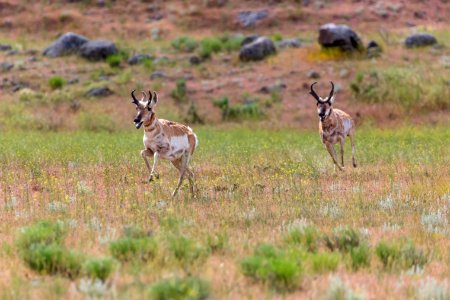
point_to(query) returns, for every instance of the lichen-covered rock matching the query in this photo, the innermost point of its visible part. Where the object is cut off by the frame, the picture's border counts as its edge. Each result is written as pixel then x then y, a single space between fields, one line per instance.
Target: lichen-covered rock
pixel 250 18
pixel 420 40
pixel 340 36
pixel 68 43
pixel 259 49
pixel 289 43
pixel 98 49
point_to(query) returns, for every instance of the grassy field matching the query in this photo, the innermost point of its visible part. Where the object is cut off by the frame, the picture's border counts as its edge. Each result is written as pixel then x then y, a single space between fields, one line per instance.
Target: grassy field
pixel 272 218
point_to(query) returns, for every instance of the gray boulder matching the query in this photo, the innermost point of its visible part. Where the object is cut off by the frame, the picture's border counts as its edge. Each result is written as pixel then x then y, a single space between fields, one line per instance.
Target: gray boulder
pixel 341 36
pixel 249 39
pixel 68 43
pixel 5 47
pixel 420 40
pixel 289 43
pixel 6 66
pixel 257 50
pixel 99 92
pixel 98 49
pixel 250 18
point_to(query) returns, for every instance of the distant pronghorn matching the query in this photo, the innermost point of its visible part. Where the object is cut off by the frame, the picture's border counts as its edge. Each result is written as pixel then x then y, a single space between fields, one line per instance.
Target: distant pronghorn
pixel 334 126
pixel 164 139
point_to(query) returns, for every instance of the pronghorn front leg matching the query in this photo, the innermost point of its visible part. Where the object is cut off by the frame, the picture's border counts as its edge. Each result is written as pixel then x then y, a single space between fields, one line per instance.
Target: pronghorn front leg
pixel 342 143
pixel 332 152
pixel 144 154
pixel 155 162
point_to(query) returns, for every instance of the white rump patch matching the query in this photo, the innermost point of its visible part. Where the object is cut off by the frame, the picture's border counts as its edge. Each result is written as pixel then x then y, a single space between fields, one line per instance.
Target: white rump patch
pixel 347 125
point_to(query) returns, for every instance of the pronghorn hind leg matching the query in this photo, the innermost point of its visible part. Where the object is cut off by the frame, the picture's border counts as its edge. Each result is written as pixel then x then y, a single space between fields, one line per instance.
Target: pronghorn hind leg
pixel 332 152
pixel 342 143
pixel 352 140
pixel 182 168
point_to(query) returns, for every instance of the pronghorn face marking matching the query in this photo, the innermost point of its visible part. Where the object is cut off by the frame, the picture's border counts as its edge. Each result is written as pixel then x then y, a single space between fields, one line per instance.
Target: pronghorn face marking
pixel 145 108
pixel 324 106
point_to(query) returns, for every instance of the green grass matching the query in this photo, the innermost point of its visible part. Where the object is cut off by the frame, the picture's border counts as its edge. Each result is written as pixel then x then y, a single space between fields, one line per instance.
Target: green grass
pixel 56 82
pixel 189 288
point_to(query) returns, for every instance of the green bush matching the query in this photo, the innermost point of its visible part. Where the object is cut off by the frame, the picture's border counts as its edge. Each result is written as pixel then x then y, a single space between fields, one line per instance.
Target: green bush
pixel 209 46
pixel 388 253
pixel 41 233
pixel 250 110
pixel 185 44
pixel 306 237
pixel 413 257
pixel 324 262
pixel 53 259
pixel 114 60
pixel 184 249
pixel 217 242
pixel 98 268
pixel 56 82
pixel 131 249
pixel 278 268
pixel 343 240
pixel 232 43
pixel 189 288
pixel 180 91
pixel 360 256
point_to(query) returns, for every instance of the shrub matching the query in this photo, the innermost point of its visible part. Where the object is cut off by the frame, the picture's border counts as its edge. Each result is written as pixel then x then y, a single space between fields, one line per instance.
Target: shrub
pixel 413 257
pixel 184 249
pixel 53 259
pixel 280 269
pixel 338 290
pixel 185 44
pixel 232 43
pixel 360 256
pixel 180 91
pixel 343 240
pixel 306 236
pixel 114 60
pixel 41 233
pixel 217 242
pixel 192 115
pixel 323 261
pixel 56 82
pixel 191 288
pixel 131 249
pixel 248 110
pixel 98 268
pixel 388 253
pixel 209 46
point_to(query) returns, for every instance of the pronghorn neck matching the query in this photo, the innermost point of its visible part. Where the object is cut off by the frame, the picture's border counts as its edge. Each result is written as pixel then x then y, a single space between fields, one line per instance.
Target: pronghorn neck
pixel 329 117
pixel 151 124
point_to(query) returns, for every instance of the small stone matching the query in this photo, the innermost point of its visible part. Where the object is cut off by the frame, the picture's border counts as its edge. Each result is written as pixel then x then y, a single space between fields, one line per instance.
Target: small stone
pixel 420 40
pixel 4 47
pixel 250 18
pixel 313 74
pixel 420 14
pixel 73 81
pixel 195 60
pixel 6 66
pixel 138 58
pixel 156 33
pixel 289 43
pixel 99 92
pixel 157 74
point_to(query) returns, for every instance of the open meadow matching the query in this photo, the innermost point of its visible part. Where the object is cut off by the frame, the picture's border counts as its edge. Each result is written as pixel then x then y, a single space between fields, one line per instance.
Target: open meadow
pixel 271 217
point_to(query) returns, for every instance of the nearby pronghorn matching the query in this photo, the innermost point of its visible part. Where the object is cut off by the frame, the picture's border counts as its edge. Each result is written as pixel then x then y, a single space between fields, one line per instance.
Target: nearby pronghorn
pixel 334 126
pixel 164 139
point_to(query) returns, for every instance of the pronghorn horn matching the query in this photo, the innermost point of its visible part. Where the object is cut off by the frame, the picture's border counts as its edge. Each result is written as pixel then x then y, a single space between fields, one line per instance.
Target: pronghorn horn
pixel 135 101
pixel 314 94
pixel 332 91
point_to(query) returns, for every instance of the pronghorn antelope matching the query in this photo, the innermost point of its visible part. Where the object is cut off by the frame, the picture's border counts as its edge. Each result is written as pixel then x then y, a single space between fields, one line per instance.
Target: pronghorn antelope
pixel 334 126
pixel 164 139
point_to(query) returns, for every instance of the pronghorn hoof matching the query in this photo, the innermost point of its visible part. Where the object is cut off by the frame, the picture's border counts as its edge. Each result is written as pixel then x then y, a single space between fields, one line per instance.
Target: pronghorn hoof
pixel 150 179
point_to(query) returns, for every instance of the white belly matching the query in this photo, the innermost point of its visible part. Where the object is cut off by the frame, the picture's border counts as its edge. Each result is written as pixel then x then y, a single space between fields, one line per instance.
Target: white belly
pixel 170 148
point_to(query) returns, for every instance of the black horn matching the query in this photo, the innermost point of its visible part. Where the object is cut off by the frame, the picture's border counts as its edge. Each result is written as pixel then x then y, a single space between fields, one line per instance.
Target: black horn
pixel 135 101
pixel 332 91
pixel 313 93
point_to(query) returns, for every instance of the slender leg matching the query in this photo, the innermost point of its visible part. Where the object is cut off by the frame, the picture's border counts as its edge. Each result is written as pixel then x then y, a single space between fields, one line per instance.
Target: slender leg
pixel 182 169
pixel 144 154
pixel 155 162
pixel 332 152
pixel 342 142
pixel 352 140
pixel 191 176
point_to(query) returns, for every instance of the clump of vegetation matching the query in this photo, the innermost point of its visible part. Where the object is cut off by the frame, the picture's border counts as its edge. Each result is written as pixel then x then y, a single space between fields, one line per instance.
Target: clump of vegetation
pixel 338 290
pixel 209 46
pixel 185 250
pixel 192 115
pixel 360 256
pixel 250 110
pixel 280 269
pixel 343 240
pixel 324 261
pixel 130 248
pixel 232 42
pixel 393 254
pixel 191 288
pixel 98 268
pixel 185 44
pixel 114 60
pixel 408 88
pixel 180 91
pixel 40 247
pixel 306 236
pixel 217 242
pixel 56 82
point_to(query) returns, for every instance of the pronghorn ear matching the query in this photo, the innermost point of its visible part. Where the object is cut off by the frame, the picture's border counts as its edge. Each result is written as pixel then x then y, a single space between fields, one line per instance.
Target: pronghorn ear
pixel 154 98
pixel 331 101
